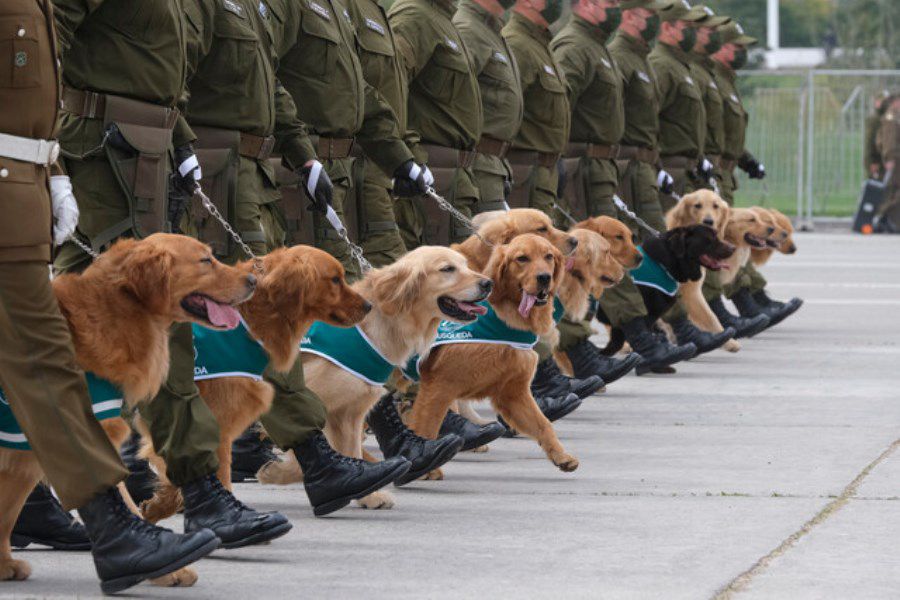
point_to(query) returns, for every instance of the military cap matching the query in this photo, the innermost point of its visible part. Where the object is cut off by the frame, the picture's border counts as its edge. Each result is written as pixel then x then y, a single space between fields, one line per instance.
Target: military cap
pixel 681 10
pixel 712 19
pixel 648 4
pixel 733 33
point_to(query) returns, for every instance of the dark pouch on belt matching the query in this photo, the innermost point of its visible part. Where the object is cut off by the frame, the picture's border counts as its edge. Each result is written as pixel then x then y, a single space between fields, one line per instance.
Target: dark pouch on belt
pixel 577 173
pixel 298 221
pixel 523 183
pixel 139 157
pixel 438 222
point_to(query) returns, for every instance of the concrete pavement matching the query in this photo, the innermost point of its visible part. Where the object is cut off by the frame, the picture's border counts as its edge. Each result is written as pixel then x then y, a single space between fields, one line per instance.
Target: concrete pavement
pixel 772 473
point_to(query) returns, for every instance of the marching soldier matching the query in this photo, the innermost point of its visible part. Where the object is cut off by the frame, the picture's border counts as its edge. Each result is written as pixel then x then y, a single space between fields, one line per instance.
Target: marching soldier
pixel 872 161
pixel 444 109
pixel 114 118
pixel 888 141
pixel 747 289
pixel 45 390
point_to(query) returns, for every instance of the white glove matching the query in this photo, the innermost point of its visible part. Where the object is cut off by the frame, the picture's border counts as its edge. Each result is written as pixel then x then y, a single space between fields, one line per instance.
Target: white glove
pixel 705 169
pixel 665 182
pixel 65 209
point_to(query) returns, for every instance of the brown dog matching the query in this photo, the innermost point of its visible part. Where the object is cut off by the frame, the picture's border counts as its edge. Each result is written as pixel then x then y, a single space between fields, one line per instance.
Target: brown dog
pixel 527 273
pixel 119 312
pixel 299 285
pixel 622 242
pixel 781 240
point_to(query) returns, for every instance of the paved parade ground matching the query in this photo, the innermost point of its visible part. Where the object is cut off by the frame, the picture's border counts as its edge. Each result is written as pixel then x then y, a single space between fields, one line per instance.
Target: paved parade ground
pixel 773 473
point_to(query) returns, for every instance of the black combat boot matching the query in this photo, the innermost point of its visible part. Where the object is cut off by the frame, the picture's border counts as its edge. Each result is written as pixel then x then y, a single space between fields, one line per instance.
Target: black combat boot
pixel 773 307
pixel 743 326
pixel 128 550
pixel 553 408
pixel 549 381
pixel 473 435
pixel 656 353
pixel 249 453
pixel 587 360
pixel 141 481
pixel 688 333
pixel 43 521
pixel 332 480
pixel 396 439
pixel 208 505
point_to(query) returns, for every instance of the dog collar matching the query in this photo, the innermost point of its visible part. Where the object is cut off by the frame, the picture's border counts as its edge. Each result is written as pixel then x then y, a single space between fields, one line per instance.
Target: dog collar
pixel 350 349
pixel 652 274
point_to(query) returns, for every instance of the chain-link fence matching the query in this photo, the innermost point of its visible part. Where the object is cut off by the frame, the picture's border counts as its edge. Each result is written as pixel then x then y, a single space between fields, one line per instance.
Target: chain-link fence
pixel 808 127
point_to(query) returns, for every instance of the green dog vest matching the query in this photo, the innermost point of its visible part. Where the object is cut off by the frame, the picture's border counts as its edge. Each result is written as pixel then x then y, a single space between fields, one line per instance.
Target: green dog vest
pixel 350 349
pixel 653 274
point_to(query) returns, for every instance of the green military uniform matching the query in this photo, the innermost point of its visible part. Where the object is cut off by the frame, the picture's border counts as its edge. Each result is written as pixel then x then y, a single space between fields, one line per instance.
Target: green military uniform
pixel 544 133
pixel 871 155
pixel 44 388
pixel 501 98
pixel 319 66
pixel 379 235
pixel 140 101
pixel 444 108
pixel 682 117
pixel 888 140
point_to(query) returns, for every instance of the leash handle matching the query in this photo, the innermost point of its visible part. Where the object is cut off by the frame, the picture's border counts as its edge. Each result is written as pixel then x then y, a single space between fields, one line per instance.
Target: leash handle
pixel 355 251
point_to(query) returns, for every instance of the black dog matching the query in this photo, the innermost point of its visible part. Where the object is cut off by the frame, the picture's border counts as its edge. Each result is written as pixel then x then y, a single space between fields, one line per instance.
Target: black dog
pixel 671 258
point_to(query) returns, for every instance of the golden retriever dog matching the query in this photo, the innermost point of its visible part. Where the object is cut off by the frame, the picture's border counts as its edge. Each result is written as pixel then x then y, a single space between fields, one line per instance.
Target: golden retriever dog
pixel 781 240
pixel 747 229
pixel 622 242
pixel 703 207
pixel 527 273
pixel 119 312
pixel 409 300
pixel 298 285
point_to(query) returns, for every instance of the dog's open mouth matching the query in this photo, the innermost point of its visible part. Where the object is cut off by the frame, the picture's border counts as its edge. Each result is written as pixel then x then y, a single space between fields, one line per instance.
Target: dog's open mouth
pixel 712 263
pixel 460 310
pixel 754 241
pixel 771 243
pixel 219 315
pixel 530 300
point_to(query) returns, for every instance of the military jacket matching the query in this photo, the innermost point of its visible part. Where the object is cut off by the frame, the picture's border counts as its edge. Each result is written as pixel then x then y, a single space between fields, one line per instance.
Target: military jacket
pixel 888 137
pixel 734 117
pixel 682 116
pixel 444 101
pixel 594 82
pixel 316 46
pixel 546 121
pixel 231 74
pixel 702 72
pixel 641 96
pixel 496 68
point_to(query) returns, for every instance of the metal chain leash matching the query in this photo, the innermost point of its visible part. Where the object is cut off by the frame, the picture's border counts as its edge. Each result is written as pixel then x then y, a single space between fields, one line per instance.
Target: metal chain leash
pixel 620 204
pixel 569 217
pixel 446 206
pixel 87 249
pixel 355 251
pixel 212 210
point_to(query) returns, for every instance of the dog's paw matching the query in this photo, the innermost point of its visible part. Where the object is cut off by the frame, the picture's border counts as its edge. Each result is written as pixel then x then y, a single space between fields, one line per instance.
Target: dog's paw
pixel 433 475
pixel 732 345
pixel 184 577
pixel 377 501
pixel 480 449
pixel 280 473
pixel 565 462
pixel 14 570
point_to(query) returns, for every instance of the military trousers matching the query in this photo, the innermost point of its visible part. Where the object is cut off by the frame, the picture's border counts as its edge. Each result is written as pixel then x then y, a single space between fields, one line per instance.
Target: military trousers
pixel 493 178
pixel 536 186
pixel 340 170
pixel 379 235
pixel 184 431
pixel 47 391
pixel 638 189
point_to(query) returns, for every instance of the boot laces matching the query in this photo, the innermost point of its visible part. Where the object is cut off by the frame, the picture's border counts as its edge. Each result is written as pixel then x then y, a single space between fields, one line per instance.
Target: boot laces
pixel 392 416
pixel 130 520
pixel 230 500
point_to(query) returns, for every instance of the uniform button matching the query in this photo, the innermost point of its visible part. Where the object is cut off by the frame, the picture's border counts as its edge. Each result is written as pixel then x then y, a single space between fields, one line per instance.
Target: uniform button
pixel 21 32
pixel 4 173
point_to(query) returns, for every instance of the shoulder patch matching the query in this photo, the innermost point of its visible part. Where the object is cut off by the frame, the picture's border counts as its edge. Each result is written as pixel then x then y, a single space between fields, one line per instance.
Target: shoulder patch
pixel 500 57
pixel 713 85
pixel 689 79
pixel 549 70
pixel 263 10
pixel 734 97
pixel 234 7
pixel 452 45
pixel 375 26
pixel 606 63
pixel 643 77
pixel 319 9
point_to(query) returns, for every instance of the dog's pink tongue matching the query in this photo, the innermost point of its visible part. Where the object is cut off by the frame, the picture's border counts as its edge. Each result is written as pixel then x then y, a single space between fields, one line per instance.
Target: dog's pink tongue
pixel 471 307
pixel 570 262
pixel 526 303
pixel 222 315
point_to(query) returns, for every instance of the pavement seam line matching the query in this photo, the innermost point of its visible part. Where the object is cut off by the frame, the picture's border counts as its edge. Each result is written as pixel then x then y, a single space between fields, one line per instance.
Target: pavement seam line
pixel 741 581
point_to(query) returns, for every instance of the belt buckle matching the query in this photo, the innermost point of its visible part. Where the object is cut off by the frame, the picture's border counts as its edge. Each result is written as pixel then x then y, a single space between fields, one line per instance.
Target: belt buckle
pixel 47 152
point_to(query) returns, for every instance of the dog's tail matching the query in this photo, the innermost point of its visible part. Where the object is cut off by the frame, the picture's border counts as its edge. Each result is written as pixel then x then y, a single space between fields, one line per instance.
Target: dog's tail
pixel 615 343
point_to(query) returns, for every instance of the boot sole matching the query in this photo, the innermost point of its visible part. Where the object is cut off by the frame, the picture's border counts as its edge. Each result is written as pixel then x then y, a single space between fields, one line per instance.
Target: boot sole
pixel 568 410
pixel 484 439
pixel 338 503
pixel 776 321
pixel 111 586
pixel 259 538
pixel 589 390
pixel 23 541
pixel 629 363
pixel 749 333
pixel 648 368
pixel 439 460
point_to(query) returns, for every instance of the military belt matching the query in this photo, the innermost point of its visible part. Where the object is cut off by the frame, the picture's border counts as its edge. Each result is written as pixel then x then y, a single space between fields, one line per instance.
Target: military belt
pixel 644 155
pixel 39 152
pixel 728 164
pixel 443 157
pixel 332 148
pixel 93 105
pixel 256 146
pixel 598 151
pixel 531 158
pixel 492 146
pixel 679 162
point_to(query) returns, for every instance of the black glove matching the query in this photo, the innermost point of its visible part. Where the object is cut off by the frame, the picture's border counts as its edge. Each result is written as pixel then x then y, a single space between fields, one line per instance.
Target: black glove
pixel 187 177
pixel 665 182
pixel 317 185
pixel 412 179
pixel 704 169
pixel 756 170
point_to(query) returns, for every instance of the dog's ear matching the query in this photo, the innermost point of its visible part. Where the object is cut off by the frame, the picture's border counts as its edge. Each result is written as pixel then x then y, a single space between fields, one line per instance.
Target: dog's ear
pixel 498 231
pixel 394 289
pixel 559 269
pixel 496 268
pixel 677 215
pixel 723 221
pixel 147 275
pixel 287 284
pixel 677 241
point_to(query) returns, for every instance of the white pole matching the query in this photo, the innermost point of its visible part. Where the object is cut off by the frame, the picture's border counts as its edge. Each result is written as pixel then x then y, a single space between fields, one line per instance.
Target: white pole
pixel 773 35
